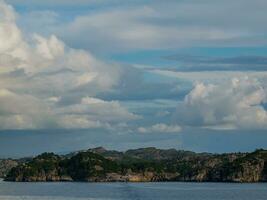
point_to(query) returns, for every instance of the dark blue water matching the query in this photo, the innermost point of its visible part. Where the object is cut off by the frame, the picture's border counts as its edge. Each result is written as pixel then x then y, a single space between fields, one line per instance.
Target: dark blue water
pixel 132 191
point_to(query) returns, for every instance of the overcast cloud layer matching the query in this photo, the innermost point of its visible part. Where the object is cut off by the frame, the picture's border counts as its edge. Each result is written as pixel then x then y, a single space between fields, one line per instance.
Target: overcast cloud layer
pixel 118 25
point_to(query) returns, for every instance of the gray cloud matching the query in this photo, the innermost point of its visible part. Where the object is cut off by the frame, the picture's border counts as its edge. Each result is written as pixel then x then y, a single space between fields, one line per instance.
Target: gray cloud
pixel 204 63
pixel 69 3
pixel 153 24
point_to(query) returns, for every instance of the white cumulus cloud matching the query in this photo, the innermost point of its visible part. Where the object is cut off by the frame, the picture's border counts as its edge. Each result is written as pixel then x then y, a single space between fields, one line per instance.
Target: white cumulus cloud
pixel 37 74
pixel 235 104
pixel 160 128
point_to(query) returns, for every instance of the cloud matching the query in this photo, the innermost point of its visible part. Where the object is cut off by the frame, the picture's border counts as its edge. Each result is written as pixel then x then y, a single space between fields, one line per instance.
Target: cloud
pixel 97 109
pixel 203 63
pixel 152 24
pixel 142 33
pixel 67 3
pixel 24 112
pixel 94 113
pixel 160 128
pixel 261 60
pixel 210 76
pixel 235 104
pixel 71 88
pixel 20 111
pixel 39 73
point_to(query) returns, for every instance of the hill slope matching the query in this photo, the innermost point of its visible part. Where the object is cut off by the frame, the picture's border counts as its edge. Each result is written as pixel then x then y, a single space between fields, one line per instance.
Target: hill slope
pixel 147 164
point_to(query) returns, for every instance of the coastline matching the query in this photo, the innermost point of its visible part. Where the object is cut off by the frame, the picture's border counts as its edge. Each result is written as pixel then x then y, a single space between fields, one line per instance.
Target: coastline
pixel 142 165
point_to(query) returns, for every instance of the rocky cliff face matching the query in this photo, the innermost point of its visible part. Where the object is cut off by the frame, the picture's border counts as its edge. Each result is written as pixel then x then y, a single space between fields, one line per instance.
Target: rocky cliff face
pixel 6 165
pixel 100 165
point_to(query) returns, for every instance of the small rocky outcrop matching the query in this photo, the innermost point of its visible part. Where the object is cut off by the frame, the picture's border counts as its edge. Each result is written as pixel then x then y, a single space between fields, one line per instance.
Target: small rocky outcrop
pixel 6 165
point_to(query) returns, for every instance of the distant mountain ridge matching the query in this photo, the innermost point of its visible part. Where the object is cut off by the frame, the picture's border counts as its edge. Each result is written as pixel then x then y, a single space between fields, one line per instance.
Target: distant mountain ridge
pixel 144 164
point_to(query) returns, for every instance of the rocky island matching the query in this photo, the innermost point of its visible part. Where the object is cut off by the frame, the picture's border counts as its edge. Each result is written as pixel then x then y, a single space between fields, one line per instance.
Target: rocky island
pixel 142 165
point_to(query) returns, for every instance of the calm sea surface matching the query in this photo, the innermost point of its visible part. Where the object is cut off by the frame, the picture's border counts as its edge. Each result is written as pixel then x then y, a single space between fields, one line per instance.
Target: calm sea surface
pixel 132 191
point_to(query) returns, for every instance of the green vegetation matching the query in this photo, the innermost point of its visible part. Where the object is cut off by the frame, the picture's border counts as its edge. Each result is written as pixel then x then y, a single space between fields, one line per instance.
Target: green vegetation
pixel 88 164
pixel 143 165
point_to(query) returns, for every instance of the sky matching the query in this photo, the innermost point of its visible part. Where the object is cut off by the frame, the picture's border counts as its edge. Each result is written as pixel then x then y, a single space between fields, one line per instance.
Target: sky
pixel 127 74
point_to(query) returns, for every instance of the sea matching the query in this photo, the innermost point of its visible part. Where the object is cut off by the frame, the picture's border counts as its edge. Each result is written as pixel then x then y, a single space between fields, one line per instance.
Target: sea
pixel 132 191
